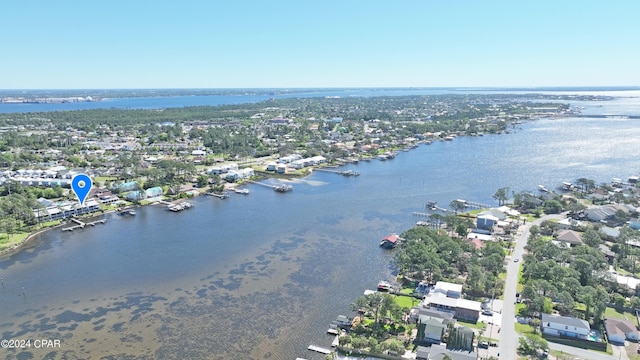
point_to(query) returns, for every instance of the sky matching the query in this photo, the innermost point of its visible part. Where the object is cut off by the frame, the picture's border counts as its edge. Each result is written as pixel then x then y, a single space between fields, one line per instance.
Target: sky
pixel 111 44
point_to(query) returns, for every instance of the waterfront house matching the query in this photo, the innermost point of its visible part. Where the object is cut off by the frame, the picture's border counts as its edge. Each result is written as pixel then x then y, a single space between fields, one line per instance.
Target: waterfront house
pixel 389 241
pixel 271 166
pixel 498 213
pixel 460 308
pixel 557 325
pixel 570 237
pixel 486 221
pixel 135 195
pixel 619 330
pixel 153 192
pixel 447 289
pixel 127 186
pixel 600 213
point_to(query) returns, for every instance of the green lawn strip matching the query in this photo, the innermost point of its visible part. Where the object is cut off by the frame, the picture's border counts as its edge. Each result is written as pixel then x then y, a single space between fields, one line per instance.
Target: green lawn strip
pixel 485 338
pixel 615 314
pixel 524 329
pixel 478 325
pixel 7 241
pixel 406 301
pixel 476 212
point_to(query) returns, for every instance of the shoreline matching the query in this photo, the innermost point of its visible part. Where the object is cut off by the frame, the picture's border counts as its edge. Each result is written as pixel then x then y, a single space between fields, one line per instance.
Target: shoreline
pixel 24 242
pixel 16 248
pixel 263 175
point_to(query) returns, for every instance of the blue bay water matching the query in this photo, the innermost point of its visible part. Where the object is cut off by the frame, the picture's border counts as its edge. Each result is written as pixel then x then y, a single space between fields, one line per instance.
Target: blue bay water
pixel 262 276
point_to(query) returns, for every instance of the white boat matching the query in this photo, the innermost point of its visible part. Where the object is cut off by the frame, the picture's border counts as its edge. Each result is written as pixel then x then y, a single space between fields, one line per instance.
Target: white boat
pixel 542 188
pixel 241 191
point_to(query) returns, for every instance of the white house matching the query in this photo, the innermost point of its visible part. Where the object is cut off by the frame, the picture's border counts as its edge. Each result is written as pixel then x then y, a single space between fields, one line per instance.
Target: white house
pixel 272 166
pixel 447 289
pixel 289 158
pixel 557 325
pixel 618 330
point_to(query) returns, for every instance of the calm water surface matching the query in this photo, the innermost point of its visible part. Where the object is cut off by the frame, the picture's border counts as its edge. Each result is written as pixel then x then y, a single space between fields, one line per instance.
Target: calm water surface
pixel 262 276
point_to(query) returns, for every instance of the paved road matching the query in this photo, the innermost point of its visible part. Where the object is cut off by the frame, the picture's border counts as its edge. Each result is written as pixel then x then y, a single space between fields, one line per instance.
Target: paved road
pixel 508 336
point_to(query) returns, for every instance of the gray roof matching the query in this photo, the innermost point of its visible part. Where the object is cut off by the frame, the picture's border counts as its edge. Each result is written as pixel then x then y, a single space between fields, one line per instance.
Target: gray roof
pixel 564 320
pixel 619 326
pixel 438 352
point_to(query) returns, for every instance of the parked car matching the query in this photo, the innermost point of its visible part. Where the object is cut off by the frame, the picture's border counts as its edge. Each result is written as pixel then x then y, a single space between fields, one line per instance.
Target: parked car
pixel 483 345
pixel 487 312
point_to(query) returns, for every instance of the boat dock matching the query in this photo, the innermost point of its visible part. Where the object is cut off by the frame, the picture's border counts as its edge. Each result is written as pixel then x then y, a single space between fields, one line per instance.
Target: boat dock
pixel 319 349
pixel 278 188
pixel 219 196
pixel 81 225
pixel 474 205
pixel 340 172
pixel 180 206
pixel 336 341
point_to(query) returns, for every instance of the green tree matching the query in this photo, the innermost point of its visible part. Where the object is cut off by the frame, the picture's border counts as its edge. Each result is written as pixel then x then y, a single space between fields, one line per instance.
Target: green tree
pixel 457 206
pixel 202 181
pixel 500 196
pixel 552 207
pixel 591 238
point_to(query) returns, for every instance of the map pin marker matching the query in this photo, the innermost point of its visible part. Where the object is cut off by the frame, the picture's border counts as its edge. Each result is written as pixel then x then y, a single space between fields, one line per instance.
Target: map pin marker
pixel 81 186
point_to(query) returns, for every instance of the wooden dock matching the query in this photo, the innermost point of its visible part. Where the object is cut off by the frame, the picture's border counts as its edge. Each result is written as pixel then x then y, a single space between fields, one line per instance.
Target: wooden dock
pixel 340 172
pixel 319 349
pixel 219 196
pixel 475 205
pixel 81 225
pixel 278 188
pixel 336 341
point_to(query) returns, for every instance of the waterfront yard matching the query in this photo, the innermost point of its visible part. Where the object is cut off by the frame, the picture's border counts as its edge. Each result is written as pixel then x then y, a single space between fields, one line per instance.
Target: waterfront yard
pixel 7 241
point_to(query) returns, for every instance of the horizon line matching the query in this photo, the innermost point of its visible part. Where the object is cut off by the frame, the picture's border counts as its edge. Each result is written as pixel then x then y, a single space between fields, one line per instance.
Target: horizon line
pixel 620 87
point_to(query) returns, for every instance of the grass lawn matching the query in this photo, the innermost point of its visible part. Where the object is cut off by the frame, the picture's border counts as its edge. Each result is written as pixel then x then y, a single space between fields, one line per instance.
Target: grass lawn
pixel 484 338
pixel 7 242
pixel 476 212
pixel 520 280
pixel 479 325
pixel 406 301
pixel 50 223
pixel 104 179
pixel 524 329
pixel 615 314
pixel 518 307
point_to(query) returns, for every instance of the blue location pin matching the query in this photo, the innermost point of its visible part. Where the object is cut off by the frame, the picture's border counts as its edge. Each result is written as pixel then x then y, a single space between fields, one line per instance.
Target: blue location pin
pixel 81 186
